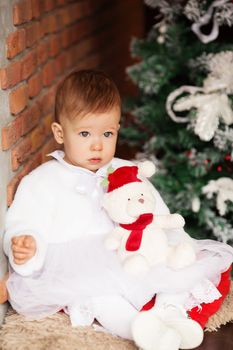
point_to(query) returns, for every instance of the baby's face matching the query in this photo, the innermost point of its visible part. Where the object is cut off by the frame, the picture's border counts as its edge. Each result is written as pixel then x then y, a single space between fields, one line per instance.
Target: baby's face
pixel 90 142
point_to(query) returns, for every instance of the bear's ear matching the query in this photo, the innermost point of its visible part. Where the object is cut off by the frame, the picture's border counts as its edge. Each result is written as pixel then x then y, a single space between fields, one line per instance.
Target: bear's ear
pixel 146 168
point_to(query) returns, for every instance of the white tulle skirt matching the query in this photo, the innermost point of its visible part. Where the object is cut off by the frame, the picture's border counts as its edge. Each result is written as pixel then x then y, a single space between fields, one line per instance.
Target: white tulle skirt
pixel 81 270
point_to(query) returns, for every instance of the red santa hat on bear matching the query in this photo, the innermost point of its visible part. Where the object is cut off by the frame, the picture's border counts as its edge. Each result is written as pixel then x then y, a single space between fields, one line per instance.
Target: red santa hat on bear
pixel 128 174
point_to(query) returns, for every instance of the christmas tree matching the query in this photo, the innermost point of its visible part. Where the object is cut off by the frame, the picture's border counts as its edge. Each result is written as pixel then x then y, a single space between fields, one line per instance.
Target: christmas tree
pixel 183 116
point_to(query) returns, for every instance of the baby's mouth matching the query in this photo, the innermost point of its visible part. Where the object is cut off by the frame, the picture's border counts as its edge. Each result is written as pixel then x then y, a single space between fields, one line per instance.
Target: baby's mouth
pixel 94 160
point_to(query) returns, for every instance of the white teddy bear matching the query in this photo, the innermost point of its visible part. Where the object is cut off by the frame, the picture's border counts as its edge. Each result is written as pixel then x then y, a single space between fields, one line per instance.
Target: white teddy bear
pixel 141 242
pixel 140 239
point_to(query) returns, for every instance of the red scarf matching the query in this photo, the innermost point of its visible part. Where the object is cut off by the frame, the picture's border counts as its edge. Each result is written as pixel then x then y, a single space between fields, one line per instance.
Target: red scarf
pixel 134 240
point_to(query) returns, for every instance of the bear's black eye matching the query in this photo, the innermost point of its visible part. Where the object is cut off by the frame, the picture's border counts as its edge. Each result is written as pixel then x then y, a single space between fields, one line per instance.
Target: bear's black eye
pixel 142 194
pixel 128 199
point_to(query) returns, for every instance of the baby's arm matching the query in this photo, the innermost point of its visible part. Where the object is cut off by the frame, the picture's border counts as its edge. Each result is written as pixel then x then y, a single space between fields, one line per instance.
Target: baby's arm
pixel 29 215
pixel 23 248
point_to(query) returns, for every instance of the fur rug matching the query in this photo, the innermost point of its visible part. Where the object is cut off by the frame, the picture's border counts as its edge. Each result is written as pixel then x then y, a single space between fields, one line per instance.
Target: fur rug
pixel 55 332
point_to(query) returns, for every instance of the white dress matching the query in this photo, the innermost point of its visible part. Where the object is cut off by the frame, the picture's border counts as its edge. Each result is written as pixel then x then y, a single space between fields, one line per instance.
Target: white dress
pixel 75 268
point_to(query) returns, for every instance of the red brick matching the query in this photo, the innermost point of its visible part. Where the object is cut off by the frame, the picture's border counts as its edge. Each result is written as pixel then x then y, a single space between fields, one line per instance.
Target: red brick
pixel 29 64
pixel 49 24
pixel 11 133
pixel 32 33
pixel 16 43
pixel 28 167
pixel 36 8
pixel 34 162
pixel 22 12
pixel 11 189
pixel 30 118
pixel 43 52
pixel 47 101
pixel 47 121
pixel 70 58
pixel 65 38
pixel 18 99
pixel 49 5
pixel 21 152
pixel 11 75
pixel 60 63
pixel 82 29
pixel 61 2
pixel 48 73
pixel 35 85
pixel 63 17
pixel 59 19
pixel 38 137
pixel 79 10
pixel 54 45
pixel 48 147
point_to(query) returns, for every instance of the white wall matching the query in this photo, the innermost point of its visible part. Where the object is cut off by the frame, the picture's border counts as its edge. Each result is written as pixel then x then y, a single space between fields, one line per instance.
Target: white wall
pixel 6 27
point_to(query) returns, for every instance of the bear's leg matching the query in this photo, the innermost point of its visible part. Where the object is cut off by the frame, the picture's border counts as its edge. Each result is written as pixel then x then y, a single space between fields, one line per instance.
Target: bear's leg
pixel 176 318
pixel 169 311
pixel 150 333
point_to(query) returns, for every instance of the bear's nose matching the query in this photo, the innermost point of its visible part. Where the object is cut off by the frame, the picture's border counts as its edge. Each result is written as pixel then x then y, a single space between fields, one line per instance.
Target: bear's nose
pixel 141 200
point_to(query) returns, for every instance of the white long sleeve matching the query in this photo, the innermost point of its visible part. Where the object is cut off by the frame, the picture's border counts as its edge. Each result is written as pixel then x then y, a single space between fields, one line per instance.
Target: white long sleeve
pixel 28 215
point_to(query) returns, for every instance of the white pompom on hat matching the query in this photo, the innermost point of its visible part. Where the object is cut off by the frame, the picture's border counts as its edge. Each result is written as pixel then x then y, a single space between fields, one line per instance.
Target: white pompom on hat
pixel 128 174
pixel 146 168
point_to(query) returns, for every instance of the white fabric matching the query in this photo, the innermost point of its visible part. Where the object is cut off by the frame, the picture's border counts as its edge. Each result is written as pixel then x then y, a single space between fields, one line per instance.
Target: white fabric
pixel 60 205
pixel 115 314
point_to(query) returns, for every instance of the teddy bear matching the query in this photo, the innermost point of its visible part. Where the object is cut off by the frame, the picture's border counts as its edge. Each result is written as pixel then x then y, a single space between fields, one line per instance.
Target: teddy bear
pixel 141 242
pixel 140 239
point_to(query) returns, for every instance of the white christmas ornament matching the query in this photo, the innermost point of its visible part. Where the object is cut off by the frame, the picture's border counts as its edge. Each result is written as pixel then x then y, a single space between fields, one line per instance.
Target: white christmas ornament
pixel 223 187
pixel 210 101
pixel 210 108
pixel 205 20
pixel 219 12
pixel 196 204
pixel 160 39
pixel 163 28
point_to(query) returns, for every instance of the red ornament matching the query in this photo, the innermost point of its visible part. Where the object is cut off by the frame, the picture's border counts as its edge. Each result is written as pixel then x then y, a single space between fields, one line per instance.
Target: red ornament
pixel 219 168
pixel 227 157
pixel 189 153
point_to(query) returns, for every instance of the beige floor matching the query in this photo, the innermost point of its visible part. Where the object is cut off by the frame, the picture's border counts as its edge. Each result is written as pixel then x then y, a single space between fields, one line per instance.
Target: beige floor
pixel 55 333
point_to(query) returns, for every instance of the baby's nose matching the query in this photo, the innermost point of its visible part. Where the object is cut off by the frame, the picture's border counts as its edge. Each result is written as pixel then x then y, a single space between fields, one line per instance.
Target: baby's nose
pixel 141 200
pixel 97 145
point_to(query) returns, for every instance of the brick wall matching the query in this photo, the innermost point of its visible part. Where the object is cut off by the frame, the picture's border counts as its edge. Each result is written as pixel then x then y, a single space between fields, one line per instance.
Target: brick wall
pixel 48 39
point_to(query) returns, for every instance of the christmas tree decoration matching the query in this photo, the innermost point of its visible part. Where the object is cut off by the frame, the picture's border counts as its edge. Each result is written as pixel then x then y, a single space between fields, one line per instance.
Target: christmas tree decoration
pixel 223 139
pixel 223 187
pixel 196 204
pixel 182 117
pixel 215 14
pixel 211 101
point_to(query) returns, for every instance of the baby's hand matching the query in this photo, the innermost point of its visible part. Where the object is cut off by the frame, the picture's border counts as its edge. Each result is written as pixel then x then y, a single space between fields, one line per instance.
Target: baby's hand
pixel 23 248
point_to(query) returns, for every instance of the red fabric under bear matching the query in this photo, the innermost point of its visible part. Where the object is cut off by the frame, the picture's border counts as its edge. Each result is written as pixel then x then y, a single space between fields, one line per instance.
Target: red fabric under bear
pixel 201 315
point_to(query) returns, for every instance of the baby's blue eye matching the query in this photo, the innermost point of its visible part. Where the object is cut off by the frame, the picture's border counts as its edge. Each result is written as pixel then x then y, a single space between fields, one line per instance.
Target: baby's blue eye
pixel 84 133
pixel 108 134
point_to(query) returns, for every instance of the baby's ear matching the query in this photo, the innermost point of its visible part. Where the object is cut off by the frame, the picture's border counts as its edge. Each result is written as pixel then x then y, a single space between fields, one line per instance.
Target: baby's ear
pixel 57 132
